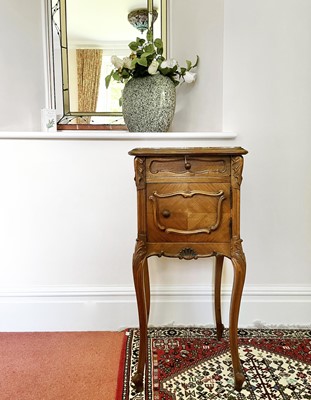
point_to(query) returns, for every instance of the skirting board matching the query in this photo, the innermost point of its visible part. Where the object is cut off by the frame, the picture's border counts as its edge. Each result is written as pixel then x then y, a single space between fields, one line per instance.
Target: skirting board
pixel 86 308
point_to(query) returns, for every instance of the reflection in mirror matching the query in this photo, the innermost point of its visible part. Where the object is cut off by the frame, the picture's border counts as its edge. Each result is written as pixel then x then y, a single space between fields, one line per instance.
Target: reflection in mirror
pixel 85 36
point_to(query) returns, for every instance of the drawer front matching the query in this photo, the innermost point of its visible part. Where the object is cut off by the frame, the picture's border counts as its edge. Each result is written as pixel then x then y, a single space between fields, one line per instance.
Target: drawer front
pixel 188 212
pixel 160 169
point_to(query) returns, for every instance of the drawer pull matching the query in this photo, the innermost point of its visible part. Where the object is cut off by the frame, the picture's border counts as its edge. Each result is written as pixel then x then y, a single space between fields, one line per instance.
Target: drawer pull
pixel 166 213
pixel 187 166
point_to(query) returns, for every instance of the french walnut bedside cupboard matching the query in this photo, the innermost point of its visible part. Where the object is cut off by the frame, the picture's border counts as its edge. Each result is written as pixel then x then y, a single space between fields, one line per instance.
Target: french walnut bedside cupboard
pixel 188 203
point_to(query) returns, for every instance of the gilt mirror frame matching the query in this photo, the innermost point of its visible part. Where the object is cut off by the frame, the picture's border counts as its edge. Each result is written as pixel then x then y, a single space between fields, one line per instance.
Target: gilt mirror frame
pixel 68 115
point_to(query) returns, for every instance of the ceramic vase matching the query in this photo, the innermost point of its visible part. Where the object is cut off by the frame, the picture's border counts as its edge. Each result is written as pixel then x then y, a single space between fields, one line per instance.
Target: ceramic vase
pixel 148 103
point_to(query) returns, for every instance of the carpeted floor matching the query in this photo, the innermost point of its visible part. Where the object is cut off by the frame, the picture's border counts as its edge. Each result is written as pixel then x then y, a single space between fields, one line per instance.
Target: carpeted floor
pixel 60 366
pixel 190 364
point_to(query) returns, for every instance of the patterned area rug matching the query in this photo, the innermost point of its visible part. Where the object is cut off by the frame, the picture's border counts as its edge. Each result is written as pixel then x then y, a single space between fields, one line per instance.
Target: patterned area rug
pixel 190 364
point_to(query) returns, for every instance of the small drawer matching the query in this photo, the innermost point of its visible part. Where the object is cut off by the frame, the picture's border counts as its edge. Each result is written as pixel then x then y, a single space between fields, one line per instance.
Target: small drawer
pixel 187 212
pixel 159 169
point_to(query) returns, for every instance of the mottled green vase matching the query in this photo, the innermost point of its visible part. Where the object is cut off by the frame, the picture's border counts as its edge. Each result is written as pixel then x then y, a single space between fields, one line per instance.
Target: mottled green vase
pixel 148 103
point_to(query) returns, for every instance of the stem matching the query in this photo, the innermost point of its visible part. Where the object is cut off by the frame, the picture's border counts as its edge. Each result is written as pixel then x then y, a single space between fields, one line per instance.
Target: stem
pixel 150 17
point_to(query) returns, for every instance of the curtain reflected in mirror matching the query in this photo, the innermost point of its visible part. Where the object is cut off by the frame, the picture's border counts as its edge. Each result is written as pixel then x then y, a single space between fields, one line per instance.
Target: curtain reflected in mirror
pixel 85 36
pixel 89 63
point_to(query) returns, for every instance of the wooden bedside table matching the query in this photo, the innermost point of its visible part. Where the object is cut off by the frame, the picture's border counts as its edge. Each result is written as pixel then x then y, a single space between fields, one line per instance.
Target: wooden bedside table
pixel 188 203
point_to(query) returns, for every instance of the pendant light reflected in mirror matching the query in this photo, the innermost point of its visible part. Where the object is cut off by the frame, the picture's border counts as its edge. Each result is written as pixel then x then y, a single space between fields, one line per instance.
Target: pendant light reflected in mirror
pixel 139 18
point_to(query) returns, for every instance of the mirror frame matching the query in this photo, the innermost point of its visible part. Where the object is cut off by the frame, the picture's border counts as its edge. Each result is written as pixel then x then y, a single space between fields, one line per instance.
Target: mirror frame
pixel 68 115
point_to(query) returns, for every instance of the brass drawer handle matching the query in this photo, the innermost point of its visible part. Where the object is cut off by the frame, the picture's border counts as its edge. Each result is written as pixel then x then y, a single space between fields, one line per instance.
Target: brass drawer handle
pixel 187 164
pixel 166 213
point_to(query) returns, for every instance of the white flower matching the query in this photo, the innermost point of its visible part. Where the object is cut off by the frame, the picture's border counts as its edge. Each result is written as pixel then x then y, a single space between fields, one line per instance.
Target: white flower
pixel 189 77
pixel 127 62
pixel 171 63
pixel 117 62
pixel 153 67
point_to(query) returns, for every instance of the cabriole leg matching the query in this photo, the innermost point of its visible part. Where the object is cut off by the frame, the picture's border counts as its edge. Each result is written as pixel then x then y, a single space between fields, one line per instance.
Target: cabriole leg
pixel 239 267
pixel 218 273
pixel 147 288
pixel 141 280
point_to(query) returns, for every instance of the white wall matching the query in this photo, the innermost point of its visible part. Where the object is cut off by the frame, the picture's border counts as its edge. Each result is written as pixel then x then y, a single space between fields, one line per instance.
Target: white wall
pixel 21 65
pixel 67 208
pixel 267 100
pixel 197 28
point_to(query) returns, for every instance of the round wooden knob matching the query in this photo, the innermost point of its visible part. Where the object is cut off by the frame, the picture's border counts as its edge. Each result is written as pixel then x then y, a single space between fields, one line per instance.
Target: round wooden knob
pixel 166 213
pixel 187 165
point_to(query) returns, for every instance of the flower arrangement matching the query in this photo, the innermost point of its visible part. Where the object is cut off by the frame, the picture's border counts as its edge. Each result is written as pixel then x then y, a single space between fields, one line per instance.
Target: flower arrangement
pixel 147 59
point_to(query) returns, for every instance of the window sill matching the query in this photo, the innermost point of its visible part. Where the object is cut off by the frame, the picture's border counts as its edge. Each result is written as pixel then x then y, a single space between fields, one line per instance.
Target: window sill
pixel 118 135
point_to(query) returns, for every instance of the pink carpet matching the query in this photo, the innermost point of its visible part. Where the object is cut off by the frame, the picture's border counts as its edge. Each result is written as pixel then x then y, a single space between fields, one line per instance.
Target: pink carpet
pixel 60 366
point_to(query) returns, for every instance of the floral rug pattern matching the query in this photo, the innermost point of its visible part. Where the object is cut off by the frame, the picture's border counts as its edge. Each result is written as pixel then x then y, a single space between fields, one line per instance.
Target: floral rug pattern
pixel 191 364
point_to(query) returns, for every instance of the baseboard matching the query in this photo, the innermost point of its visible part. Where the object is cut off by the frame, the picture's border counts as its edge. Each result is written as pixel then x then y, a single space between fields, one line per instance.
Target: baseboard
pixel 89 308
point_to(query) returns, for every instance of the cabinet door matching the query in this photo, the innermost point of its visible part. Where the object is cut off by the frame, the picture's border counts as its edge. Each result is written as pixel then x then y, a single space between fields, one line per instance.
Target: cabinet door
pixel 188 212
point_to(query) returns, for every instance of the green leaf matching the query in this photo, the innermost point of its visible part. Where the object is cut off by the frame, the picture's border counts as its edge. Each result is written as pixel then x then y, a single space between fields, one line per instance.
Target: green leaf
pixel 133 46
pixel 108 79
pixel 134 62
pixel 125 74
pixel 149 48
pixel 176 82
pixel 183 70
pixel 145 55
pixel 165 71
pixel 116 76
pixel 189 65
pixel 143 62
pixel 158 43
pixel 140 41
pixel 160 51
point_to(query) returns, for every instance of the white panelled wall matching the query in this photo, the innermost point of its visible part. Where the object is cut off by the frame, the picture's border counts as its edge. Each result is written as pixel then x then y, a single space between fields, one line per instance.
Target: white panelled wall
pixel 68 207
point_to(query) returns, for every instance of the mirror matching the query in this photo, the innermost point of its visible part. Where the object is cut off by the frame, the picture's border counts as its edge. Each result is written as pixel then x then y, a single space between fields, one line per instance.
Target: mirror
pixel 86 33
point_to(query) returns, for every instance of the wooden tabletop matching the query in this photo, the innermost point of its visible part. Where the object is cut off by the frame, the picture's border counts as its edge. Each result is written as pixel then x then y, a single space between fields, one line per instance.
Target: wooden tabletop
pixel 194 151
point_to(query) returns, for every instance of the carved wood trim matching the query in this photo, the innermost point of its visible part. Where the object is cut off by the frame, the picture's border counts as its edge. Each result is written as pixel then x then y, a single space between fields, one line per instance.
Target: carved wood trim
pixel 237 168
pixel 140 252
pixel 237 249
pixel 140 167
pixel 187 253
pixel 218 166
pixel 208 230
